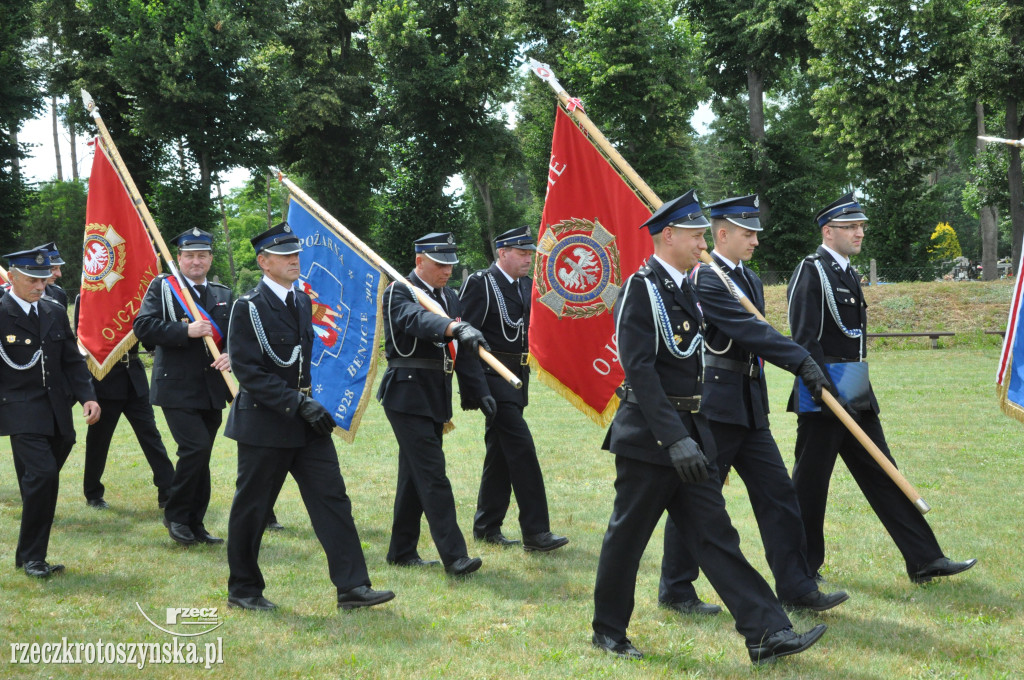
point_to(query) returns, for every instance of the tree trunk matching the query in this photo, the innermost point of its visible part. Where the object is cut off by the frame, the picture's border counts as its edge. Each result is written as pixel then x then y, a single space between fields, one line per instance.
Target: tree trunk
pixel 15 160
pixel 270 206
pixel 484 190
pixel 1015 178
pixel 755 104
pixel 227 234
pixel 74 151
pixel 989 216
pixel 56 136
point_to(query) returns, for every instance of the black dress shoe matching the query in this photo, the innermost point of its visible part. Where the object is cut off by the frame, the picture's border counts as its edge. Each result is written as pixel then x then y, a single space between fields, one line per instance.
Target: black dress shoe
pixel 414 562
pixel 816 601
pixel 544 542
pixel 204 536
pixel 274 525
pixel 256 603
pixel 498 539
pixel 97 503
pixel 694 606
pixel 819 579
pixel 941 567
pixel 464 565
pixel 363 596
pixel 783 643
pixel 625 649
pixel 40 568
pixel 181 533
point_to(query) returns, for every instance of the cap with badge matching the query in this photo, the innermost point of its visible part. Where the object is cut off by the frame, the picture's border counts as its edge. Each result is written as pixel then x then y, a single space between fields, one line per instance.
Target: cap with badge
pixel 681 212
pixel 278 240
pixel 438 247
pixel 844 209
pixel 194 239
pixel 34 263
pixel 743 211
pixel 519 237
pixel 51 249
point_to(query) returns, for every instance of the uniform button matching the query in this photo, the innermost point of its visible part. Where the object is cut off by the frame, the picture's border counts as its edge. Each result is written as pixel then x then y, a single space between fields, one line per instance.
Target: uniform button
pixel 288 410
pixel 660 444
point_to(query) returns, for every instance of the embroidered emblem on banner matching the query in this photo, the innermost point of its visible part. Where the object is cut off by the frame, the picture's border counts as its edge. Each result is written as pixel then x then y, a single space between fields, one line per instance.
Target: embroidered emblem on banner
pixel 578 269
pixel 103 257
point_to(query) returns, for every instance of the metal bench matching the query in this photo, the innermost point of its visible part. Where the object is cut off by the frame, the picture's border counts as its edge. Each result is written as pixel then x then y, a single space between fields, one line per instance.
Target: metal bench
pixel 934 335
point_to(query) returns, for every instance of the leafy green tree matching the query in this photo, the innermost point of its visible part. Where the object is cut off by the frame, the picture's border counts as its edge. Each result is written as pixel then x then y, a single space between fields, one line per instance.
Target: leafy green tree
pixel 887 70
pixel 57 213
pixel 444 70
pixel 945 245
pixel 638 63
pixel 19 100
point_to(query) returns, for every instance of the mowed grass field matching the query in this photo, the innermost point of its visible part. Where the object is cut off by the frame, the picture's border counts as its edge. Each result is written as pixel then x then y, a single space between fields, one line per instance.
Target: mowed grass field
pixel 527 615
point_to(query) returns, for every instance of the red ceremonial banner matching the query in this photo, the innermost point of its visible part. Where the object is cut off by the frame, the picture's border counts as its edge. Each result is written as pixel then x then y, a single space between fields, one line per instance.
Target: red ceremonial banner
pixel 118 264
pixel 589 243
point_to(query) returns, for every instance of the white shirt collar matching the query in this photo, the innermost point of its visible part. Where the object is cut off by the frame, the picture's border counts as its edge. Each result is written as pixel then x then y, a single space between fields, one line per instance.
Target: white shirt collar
pixel 194 283
pixel 510 279
pixel 732 265
pixel 676 275
pixel 844 262
pixel 25 306
pixel 280 291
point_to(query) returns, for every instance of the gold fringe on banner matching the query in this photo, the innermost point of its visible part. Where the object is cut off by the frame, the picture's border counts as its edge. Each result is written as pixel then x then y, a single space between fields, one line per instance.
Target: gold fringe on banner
pixel 1015 411
pixel 602 418
pixel 100 371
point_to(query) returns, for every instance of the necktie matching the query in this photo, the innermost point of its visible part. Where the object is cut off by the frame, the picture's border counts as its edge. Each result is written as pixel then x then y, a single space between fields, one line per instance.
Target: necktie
pixel 33 317
pixel 854 276
pixel 436 294
pixel 289 302
pixel 200 294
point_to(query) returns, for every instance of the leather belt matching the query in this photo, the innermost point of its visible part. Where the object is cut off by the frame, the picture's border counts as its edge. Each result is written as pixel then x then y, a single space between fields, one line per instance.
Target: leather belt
pixel 751 368
pixel 839 360
pixel 428 364
pixel 511 361
pixel 308 391
pixel 691 404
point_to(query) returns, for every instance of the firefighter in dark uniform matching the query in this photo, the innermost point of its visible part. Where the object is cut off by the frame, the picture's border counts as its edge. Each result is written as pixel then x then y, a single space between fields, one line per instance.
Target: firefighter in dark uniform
pixel 658 431
pixel 53 291
pixel 497 302
pixel 43 375
pixel 187 381
pixel 416 392
pixel 828 316
pixel 734 399
pixel 124 390
pixel 280 428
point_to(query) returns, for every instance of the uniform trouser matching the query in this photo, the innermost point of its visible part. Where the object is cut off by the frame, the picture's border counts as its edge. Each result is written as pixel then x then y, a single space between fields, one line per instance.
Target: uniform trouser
pixel 423 489
pixel 510 465
pixel 756 458
pixel 643 492
pixel 818 439
pixel 38 460
pixel 314 467
pixel 194 431
pixel 139 414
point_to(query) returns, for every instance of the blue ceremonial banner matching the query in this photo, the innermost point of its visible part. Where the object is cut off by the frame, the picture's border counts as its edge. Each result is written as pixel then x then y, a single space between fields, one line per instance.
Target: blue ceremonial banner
pixel 1010 375
pixel 346 290
pixel 851 381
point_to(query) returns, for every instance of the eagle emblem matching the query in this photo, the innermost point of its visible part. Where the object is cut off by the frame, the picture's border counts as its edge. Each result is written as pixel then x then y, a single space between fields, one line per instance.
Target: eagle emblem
pixel 577 269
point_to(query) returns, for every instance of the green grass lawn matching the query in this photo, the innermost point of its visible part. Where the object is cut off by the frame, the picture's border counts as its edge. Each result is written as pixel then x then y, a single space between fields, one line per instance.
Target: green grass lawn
pixel 529 615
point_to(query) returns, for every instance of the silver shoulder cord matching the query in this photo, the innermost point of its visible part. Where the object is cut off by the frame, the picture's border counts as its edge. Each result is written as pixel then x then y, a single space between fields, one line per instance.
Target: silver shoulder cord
pixel 665 327
pixel 735 292
pixel 261 335
pixel 827 296
pixel 502 310
pixel 168 299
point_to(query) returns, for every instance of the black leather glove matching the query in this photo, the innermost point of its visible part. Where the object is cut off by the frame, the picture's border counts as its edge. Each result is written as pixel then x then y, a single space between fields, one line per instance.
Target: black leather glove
pixel 688 460
pixel 489 406
pixel 469 337
pixel 314 413
pixel 814 379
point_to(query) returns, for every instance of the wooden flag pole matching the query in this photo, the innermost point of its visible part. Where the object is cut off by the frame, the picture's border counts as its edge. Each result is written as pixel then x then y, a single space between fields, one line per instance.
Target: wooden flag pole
pixel 426 301
pixel 3 275
pixel 154 232
pixel 615 159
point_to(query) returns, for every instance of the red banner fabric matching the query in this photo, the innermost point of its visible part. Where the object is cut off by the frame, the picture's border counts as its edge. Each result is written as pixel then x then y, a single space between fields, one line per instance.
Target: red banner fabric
pixel 589 243
pixel 118 264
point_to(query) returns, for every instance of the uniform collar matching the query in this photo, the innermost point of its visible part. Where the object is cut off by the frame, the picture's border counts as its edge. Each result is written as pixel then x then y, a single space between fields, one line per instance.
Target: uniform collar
pixel 844 262
pixel 194 283
pixel 509 278
pixel 25 306
pixel 677 276
pixel 732 265
pixel 280 291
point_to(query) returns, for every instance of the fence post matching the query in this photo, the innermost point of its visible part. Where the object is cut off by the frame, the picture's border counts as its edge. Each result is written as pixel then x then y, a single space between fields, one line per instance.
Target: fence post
pixel 873 273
